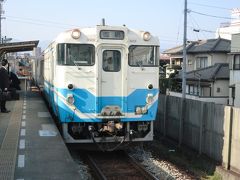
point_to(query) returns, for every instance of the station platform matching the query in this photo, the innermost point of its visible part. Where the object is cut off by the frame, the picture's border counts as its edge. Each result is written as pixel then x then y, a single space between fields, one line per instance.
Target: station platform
pixel 31 146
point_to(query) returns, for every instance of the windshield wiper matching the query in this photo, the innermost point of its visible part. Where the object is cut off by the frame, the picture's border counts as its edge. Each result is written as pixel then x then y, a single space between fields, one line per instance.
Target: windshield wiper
pixel 76 64
pixel 139 63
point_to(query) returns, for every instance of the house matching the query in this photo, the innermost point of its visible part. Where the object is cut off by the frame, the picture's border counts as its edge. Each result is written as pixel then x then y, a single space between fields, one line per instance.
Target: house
pixel 201 54
pixel 209 84
pixel 164 60
pixel 234 84
pixel 207 67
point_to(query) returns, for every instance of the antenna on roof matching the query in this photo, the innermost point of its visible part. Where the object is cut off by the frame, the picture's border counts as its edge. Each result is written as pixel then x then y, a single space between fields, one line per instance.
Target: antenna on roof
pixel 103 22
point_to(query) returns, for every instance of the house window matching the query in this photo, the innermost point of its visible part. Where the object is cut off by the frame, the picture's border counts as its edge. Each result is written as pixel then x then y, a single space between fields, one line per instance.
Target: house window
pixel 236 62
pixel 195 90
pixel 218 90
pixel 191 89
pixel 189 62
pixel 201 62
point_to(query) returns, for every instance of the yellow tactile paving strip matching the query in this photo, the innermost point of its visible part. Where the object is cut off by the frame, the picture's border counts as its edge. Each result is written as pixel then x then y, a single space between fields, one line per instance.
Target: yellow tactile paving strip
pixel 8 150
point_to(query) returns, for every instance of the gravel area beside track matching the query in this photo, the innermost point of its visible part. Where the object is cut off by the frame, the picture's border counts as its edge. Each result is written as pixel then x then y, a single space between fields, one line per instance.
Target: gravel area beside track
pixel 160 168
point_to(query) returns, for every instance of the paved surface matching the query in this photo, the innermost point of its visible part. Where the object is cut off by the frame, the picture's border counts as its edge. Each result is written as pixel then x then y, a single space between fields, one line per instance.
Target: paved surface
pixel 30 144
pixel 227 174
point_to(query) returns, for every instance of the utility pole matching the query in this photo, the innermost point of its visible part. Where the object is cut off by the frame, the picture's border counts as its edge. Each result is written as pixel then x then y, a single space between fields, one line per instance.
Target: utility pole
pixel 1 13
pixel 181 120
pixel 184 52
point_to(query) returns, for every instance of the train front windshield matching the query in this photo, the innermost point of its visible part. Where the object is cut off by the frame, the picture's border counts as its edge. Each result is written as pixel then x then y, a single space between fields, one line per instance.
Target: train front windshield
pixel 146 56
pixel 76 54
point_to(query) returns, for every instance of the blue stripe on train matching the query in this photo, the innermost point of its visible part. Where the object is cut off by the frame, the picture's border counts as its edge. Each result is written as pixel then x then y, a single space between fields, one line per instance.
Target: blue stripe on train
pixel 88 103
pixel 67 115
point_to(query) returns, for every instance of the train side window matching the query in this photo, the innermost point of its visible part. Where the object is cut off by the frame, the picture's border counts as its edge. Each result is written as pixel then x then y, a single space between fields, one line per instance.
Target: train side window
pixel 143 56
pixel 111 61
pixel 76 54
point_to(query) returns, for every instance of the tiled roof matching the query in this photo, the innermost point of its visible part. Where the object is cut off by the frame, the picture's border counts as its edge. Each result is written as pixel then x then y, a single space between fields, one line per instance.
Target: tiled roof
pixel 211 73
pixel 210 45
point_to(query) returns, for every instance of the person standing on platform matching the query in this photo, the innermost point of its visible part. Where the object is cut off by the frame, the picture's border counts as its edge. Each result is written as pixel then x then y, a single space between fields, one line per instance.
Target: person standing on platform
pixel 4 83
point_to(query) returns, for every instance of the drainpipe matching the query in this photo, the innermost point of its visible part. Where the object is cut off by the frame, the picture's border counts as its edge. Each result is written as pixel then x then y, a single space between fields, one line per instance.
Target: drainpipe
pixel 212 89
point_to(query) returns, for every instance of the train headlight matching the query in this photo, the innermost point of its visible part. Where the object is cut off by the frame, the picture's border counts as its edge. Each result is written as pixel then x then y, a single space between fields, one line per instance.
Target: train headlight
pixel 144 110
pixel 141 110
pixel 76 33
pixel 149 99
pixel 70 86
pixel 146 36
pixel 138 110
pixel 150 86
pixel 70 99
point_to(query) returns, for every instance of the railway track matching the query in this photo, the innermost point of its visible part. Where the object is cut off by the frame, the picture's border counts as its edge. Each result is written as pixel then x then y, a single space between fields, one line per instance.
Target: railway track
pixel 116 165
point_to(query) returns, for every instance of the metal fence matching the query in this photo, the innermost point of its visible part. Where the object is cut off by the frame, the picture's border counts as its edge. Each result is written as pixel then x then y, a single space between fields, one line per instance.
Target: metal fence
pixel 208 128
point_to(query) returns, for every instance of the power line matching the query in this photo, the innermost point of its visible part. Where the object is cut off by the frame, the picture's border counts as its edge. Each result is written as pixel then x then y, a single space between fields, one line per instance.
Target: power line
pixel 180 21
pixel 167 40
pixel 40 20
pixel 204 5
pixel 205 30
pixel 35 23
pixel 203 14
pixel 195 22
pixel 194 34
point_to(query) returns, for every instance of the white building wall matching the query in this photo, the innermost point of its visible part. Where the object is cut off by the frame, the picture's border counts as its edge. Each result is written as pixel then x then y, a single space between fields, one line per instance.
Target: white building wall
pixel 219 58
pixel 235 74
pixel 235 46
pixel 221 88
pixel 234 77
pixel 237 95
pixel 232 28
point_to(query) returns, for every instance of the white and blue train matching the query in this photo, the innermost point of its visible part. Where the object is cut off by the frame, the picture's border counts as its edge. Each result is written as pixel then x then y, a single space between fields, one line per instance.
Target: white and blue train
pixel 102 84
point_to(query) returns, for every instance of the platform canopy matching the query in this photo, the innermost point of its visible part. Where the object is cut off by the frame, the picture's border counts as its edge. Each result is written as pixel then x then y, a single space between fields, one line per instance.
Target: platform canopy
pixel 17 47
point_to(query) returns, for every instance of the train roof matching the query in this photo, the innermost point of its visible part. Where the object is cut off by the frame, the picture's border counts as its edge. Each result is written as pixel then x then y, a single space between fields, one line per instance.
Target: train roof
pixel 91 35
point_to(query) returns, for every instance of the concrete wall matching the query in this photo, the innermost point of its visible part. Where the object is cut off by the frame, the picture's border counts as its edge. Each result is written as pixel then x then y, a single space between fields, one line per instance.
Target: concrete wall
pixel 217 100
pixel 208 128
pixel 235 141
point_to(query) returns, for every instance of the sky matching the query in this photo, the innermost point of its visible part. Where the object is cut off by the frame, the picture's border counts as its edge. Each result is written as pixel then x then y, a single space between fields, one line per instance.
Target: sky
pixel 44 20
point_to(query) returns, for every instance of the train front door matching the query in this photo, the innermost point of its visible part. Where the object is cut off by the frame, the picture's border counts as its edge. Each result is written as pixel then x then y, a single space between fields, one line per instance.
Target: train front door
pixel 111 86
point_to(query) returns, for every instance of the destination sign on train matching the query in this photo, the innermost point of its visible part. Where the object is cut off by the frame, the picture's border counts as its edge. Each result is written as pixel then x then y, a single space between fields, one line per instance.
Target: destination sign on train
pixel 112 34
